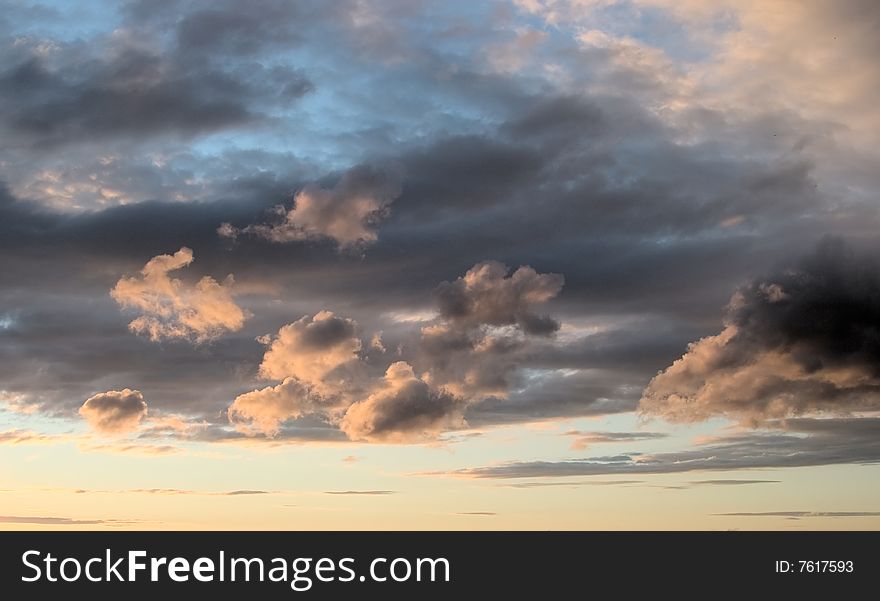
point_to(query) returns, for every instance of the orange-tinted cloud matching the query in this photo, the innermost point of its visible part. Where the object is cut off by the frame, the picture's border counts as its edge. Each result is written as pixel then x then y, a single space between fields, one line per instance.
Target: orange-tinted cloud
pixel 346 213
pixel 114 411
pixel 171 308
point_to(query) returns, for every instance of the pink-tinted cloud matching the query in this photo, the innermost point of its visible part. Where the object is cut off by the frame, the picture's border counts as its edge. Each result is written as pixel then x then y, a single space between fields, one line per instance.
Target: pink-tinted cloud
pixel 171 308
pixel 114 411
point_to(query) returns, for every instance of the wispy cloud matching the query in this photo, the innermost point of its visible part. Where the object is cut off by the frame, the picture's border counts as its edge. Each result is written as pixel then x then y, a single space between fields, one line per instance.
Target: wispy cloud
pixel 803 514
pixel 62 521
pixel 178 491
pixel 731 482
pixel 360 492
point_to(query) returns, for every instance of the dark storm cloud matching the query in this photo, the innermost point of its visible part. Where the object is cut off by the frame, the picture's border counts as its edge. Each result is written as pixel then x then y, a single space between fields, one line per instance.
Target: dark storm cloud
pixel 804 442
pixel 803 340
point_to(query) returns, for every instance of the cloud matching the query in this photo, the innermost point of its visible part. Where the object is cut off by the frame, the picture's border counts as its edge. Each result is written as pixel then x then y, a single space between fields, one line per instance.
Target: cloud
pixel 172 309
pixel 544 484
pixel 486 318
pixel 404 409
pixel 140 82
pixel 359 492
pixel 805 340
pixel 114 411
pixel 314 349
pixel 147 450
pixel 325 370
pixel 803 514
pixel 317 359
pixel 346 213
pixel 61 521
pixel 802 442
pixel 175 492
pixel 266 409
pixel 487 295
pixel 16 437
pixel 731 482
pixel 584 440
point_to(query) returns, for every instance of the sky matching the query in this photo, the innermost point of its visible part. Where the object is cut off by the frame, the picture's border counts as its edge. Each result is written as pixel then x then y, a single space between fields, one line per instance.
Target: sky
pixel 393 264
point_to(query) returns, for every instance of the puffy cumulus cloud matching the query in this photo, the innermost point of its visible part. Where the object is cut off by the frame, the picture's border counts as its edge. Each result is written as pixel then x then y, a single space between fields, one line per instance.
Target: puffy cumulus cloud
pixel 804 340
pixel 114 411
pixel 487 295
pixel 320 351
pixel 486 319
pixel 346 213
pixel 403 409
pixel 324 374
pixel 173 309
pixel 266 409
pixel 473 365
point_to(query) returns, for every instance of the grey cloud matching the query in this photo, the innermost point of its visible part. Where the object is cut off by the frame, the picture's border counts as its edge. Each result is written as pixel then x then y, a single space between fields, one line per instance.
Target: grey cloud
pixel 551 394
pixel 827 442
pixel 573 484
pixel 44 109
pixel 347 213
pixel 130 84
pixel 488 295
pixel 404 409
pixel 731 482
pixel 804 340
